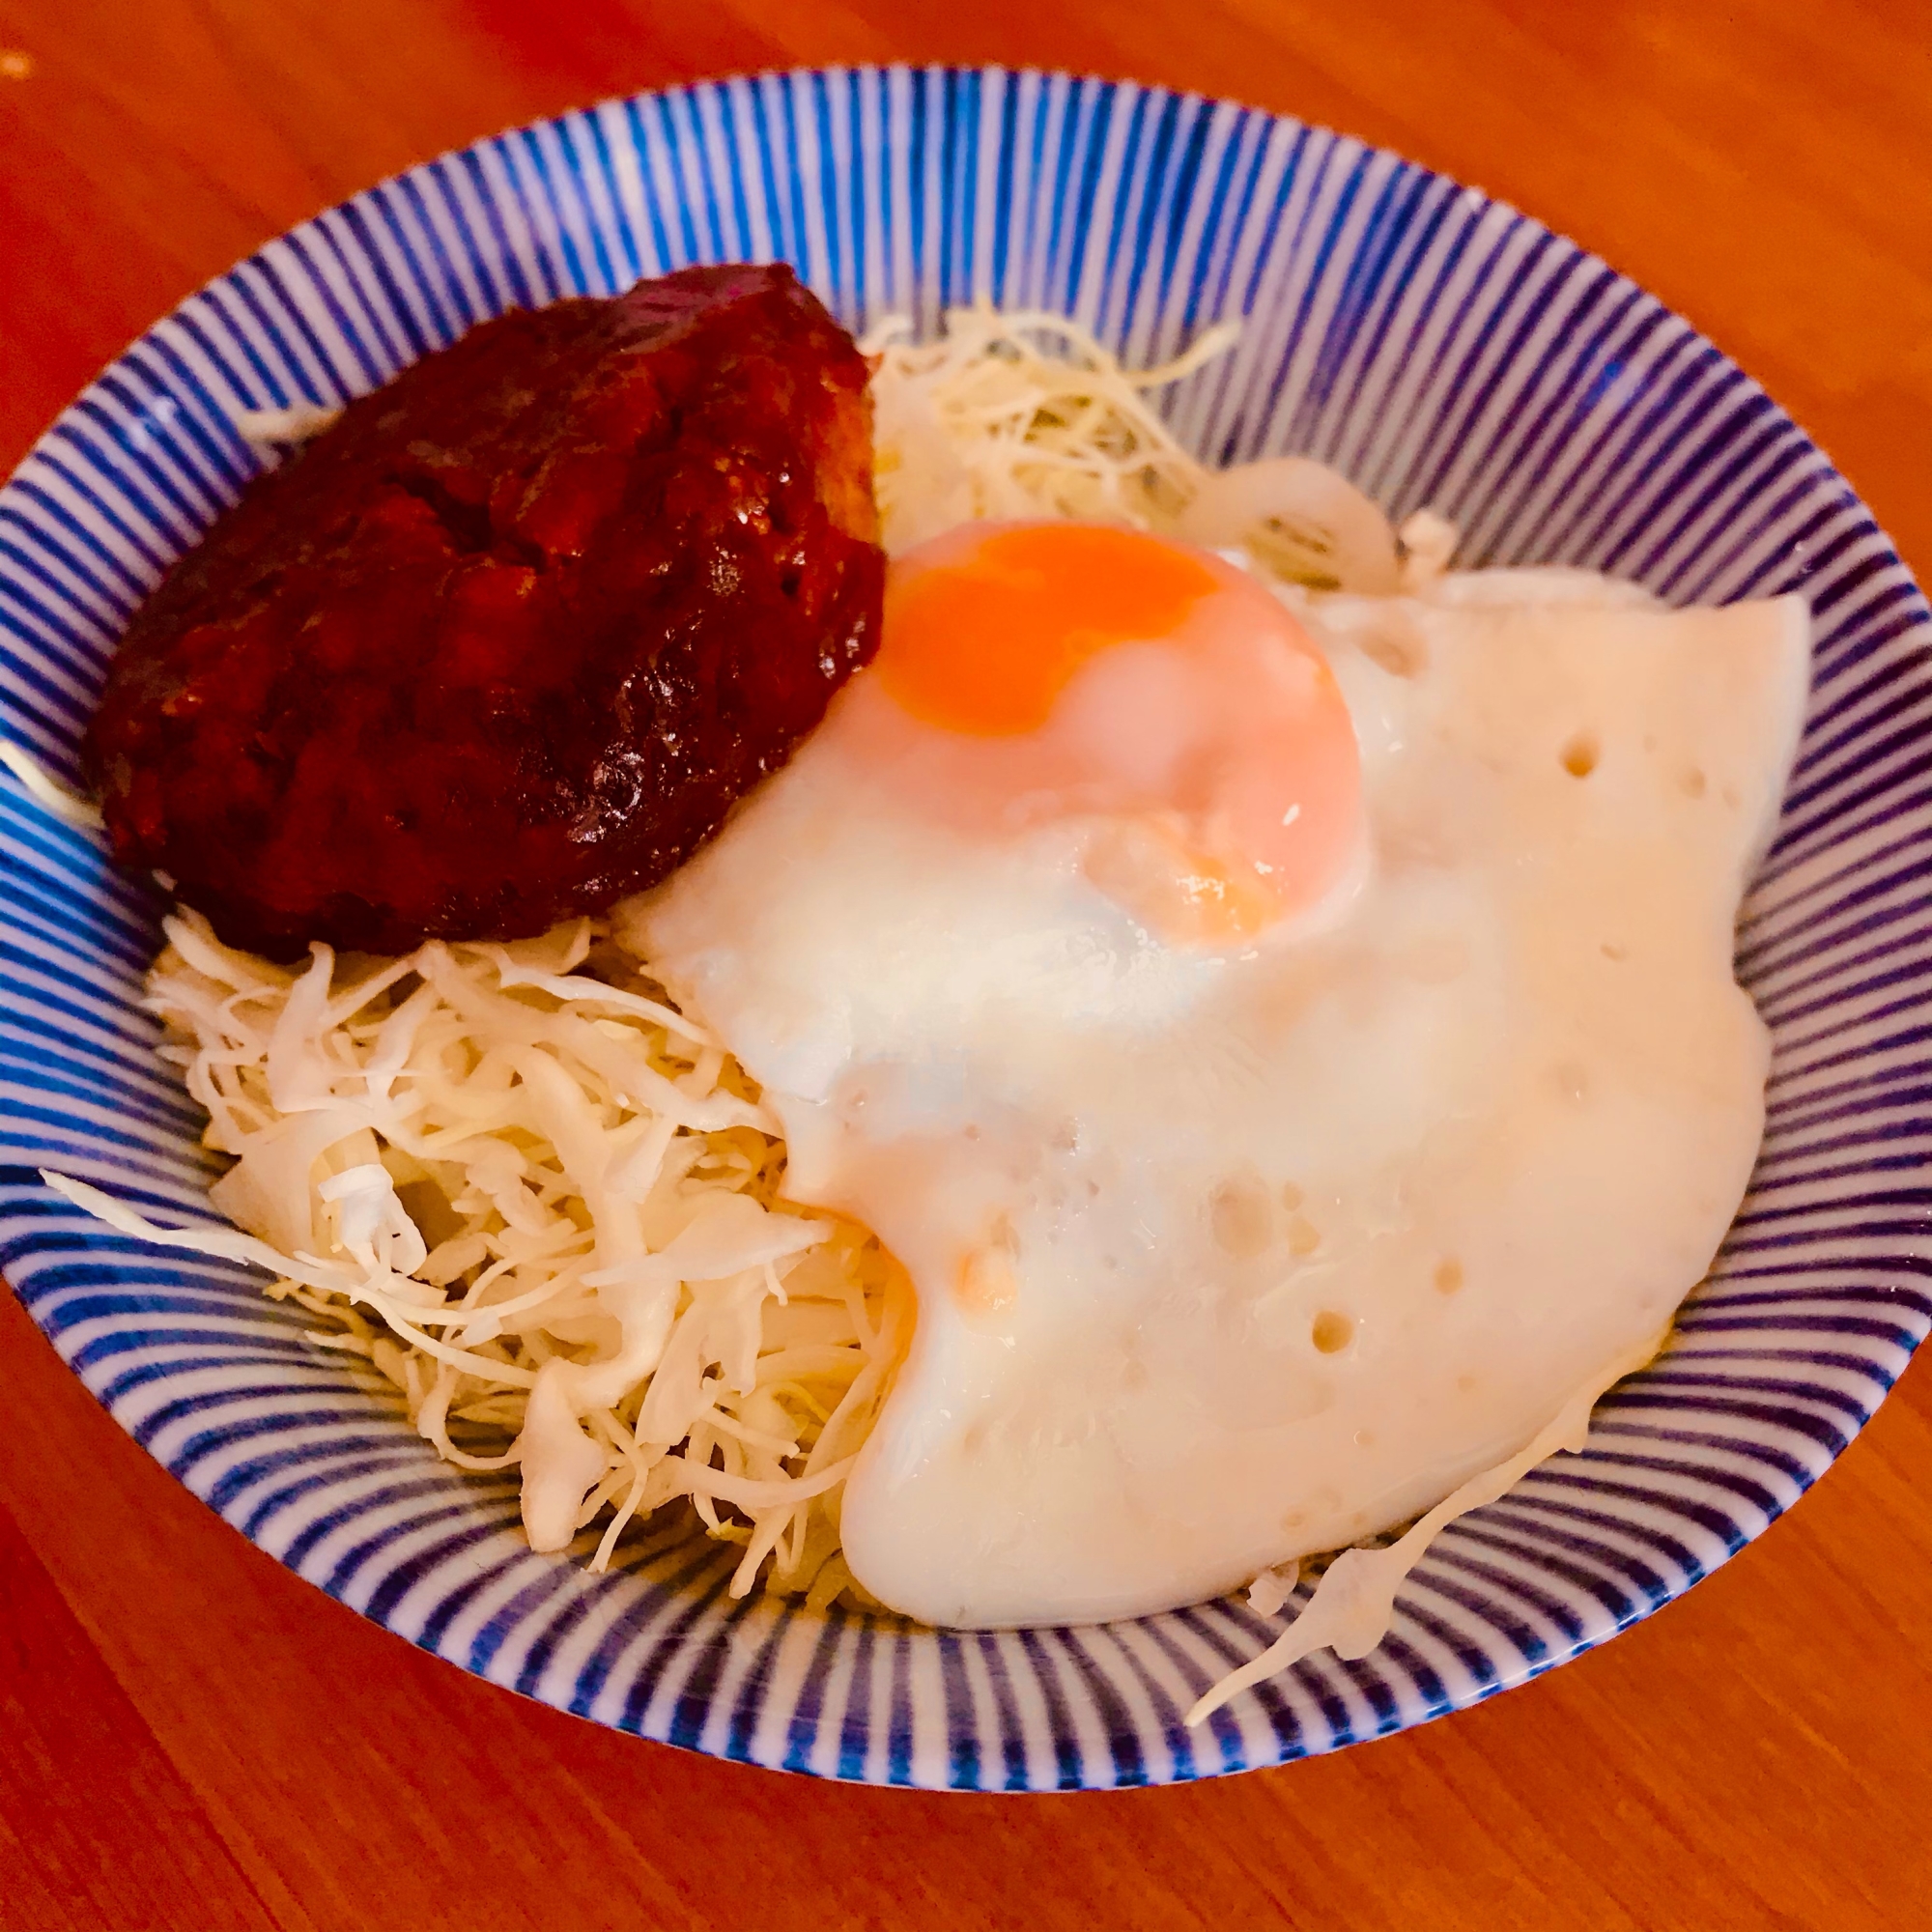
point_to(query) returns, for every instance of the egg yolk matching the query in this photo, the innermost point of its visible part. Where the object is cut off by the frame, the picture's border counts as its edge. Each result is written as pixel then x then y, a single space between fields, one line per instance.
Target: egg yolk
pixel 987 645
pixel 1081 671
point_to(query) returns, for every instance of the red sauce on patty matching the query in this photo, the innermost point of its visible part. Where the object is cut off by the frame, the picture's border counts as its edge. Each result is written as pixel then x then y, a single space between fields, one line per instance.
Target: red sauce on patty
pixel 507 640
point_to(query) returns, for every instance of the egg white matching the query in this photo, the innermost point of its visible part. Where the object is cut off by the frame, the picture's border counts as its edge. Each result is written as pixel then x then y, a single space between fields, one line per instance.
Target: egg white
pixel 1224 1258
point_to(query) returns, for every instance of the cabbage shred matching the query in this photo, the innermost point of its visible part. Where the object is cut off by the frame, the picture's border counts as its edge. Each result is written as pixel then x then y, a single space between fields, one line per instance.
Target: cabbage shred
pixel 1022 414
pixel 548 1205
pixel 1014 416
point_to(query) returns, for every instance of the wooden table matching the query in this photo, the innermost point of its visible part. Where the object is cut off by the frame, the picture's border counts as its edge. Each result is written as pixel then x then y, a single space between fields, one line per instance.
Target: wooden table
pixel 190 1737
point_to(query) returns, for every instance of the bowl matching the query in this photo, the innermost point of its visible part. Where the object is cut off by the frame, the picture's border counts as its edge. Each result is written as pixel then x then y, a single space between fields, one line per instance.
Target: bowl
pixel 1439 349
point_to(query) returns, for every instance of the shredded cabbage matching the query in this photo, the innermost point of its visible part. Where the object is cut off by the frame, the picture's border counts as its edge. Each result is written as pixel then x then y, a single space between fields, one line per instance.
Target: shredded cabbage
pixel 1011 416
pixel 1023 414
pixel 543 1203
pixel 1353 1603
pixel 266 430
pixel 39 784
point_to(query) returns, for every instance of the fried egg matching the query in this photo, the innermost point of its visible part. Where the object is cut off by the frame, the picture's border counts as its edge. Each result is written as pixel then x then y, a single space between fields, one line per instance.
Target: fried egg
pixel 1290 1049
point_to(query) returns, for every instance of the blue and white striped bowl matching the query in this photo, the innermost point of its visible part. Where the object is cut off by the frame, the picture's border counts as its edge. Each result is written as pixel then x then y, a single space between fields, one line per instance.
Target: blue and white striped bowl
pixel 1435 345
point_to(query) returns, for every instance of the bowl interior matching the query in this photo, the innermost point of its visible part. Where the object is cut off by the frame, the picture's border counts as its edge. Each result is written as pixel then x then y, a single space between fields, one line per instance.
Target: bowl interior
pixel 1435 345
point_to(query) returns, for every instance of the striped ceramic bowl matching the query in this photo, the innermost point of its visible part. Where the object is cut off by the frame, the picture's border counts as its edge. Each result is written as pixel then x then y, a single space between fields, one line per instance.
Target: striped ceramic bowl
pixel 1439 349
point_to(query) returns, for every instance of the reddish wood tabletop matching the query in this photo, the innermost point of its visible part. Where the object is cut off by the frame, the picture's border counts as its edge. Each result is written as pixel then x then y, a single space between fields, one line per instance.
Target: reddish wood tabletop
pixel 191 1738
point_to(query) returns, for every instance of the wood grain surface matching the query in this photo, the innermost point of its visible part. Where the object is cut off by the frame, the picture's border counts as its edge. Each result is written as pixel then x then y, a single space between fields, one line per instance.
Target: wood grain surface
pixel 190 1737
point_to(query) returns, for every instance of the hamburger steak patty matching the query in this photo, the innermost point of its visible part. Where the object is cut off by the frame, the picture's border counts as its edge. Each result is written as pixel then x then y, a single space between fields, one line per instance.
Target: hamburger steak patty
pixel 506 641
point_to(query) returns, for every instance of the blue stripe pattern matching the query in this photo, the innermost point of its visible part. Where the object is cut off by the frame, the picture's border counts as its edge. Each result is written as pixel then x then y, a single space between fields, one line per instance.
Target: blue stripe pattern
pixel 1437 347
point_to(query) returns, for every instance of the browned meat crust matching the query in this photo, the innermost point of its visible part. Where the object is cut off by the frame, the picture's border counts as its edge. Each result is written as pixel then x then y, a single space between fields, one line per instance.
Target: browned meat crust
pixel 507 640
